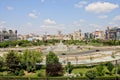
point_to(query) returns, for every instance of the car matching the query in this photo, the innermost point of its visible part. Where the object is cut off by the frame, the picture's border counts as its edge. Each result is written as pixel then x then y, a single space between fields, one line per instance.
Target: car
pixel 97 50
pixel 63 54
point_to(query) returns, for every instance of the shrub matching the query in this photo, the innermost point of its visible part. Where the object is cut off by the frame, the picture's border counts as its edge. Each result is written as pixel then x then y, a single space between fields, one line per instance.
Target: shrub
pixel 1 74
pixel 83 66
pixel 16 72
pixel 110 67
pixel 91 74
pixel 10 74
pixel 100 70
pixel 29 69
pixel 81 74
pixel 55 69
pixel 39 74
pixel 69 67
pixel 118 69
pixel 21 72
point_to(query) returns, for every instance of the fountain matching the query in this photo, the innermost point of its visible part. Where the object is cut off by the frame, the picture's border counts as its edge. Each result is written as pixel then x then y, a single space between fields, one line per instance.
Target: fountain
pixel 60 47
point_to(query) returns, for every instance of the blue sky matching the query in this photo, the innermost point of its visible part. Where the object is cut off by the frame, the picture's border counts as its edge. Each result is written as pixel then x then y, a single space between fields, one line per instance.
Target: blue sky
pixel 40 16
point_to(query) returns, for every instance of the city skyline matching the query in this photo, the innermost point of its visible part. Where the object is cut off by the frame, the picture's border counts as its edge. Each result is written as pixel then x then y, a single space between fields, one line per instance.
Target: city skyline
pixel 40 16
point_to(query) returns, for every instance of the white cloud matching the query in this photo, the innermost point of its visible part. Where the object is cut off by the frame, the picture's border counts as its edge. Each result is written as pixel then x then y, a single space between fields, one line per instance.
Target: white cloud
pixel 101 7
pixel 117 18
pixel 10 8
pixel 103 16
pixel 49 24
pixel 80 4
pixel 78 23
pixel 29 24
pixel 94 25
pixel 33 14
pixel 115 21
pixel 82 20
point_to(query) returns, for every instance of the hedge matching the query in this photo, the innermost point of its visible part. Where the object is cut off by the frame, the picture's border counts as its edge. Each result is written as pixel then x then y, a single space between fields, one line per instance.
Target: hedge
pixel 58 78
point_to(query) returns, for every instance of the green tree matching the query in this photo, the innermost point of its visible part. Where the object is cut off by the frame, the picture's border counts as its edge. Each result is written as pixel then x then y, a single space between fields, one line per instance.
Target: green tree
pixel 69 67
pixel 53 66
pixel 29 60
pixel 4 44
pixel 100 70
pixel 51 58
pixel 110 67
pixel 1 62
pixel 12 61
pixel 91 74
pixel 118 69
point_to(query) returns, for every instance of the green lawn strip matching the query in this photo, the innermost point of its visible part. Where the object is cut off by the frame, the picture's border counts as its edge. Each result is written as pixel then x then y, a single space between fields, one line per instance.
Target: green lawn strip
pixel 40 72
pixel 81 70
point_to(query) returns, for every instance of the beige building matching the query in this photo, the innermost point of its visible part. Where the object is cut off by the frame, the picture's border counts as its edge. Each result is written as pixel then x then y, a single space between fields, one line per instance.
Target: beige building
pixel 98 34
pixel 77 35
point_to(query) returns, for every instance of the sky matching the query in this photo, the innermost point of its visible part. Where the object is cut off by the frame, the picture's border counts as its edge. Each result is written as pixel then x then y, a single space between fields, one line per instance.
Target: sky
pixel 49 16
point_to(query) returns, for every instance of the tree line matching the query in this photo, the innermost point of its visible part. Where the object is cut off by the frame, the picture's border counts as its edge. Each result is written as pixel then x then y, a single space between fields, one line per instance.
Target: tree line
pixel 25 43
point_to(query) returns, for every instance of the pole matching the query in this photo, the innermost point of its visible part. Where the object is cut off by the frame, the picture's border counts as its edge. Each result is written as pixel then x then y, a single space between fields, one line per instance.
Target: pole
pixel 116 69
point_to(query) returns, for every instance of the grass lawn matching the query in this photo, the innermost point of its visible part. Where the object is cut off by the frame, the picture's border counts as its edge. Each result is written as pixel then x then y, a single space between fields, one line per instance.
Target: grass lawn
pixel 41 72
pixel 81 70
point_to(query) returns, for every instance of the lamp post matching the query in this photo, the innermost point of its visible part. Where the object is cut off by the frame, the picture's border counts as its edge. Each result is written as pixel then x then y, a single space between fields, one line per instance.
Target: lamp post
pixel 76 58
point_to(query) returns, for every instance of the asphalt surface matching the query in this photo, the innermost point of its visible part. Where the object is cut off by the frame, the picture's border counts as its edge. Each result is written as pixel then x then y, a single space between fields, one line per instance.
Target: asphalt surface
pixel 88 52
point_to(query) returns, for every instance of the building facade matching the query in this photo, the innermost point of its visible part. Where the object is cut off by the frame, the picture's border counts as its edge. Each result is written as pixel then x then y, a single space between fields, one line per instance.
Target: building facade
pixel 77 35
pixel 88 36
pixel 8 35
pixel 98 34
pixel 113 33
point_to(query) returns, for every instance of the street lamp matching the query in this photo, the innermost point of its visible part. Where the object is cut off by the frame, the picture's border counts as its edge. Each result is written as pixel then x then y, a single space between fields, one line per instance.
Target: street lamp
pixel 76 58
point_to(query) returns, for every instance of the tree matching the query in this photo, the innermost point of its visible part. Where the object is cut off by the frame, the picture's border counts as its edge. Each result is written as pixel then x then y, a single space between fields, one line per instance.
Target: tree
pixel 53 66
pixel 118 69
pixel 116 63
pixel 29 60
pixel 12 61
pixel 1 62
pixel 54 69
pixel 100 70
pixel 91 74
pixel 110 67
pixel 51 58
pixel 69 67
pixel 113 55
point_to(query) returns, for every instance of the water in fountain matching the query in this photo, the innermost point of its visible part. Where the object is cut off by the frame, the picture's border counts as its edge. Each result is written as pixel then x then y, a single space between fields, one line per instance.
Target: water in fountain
pixel 60 47
pixel 49 48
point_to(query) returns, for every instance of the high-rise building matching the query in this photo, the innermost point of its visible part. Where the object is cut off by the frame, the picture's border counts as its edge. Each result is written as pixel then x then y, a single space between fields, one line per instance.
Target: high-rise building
pixel 113 33
pixel 88 36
